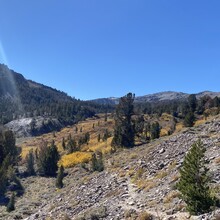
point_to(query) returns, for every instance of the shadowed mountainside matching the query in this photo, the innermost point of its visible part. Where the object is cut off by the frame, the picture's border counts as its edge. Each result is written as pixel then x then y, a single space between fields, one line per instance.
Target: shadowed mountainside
pixel 22 98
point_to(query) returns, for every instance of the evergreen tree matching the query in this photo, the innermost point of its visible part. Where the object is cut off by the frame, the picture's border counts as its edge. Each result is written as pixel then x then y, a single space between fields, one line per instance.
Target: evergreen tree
pixel 99 137
pixel 30 163
pixel 8 146
pixel 63 144
pixel 60 176
pixel 124 129
pixel 87 138
pixel 48 158
pixel 11 204
pixel 4 174
pixel 192 101
pixel 33 125
pixel 155 130
pixel 189 120
pixel 147 127
pixel 106 116
pixel 71 145
pixel 106 135
pixel 9 156
pixel 139 125
pixel 97 161
pixel 194 181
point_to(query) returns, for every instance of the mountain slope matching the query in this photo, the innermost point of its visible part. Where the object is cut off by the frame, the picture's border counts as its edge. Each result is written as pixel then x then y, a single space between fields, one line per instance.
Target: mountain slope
pixel 22 98
pixel 141 179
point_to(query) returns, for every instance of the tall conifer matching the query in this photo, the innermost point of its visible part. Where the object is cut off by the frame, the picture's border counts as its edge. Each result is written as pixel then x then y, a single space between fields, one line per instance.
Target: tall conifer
pixel 194 181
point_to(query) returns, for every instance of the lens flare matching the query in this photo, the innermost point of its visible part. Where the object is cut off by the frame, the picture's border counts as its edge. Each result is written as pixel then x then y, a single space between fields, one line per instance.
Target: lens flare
pixel 10 78
pixel 3 58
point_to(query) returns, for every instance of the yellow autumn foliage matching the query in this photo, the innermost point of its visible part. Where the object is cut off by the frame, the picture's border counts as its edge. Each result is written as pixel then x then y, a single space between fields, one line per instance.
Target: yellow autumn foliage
pixel 75 158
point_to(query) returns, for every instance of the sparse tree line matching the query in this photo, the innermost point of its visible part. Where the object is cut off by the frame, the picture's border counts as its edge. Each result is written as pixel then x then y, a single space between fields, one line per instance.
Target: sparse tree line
pixel 185 109
pixel 130 123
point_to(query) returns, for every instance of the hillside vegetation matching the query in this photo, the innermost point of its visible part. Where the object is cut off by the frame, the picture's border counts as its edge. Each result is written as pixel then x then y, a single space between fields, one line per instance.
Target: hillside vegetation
pixel 144 160
pixel 136 182
pixel 21 98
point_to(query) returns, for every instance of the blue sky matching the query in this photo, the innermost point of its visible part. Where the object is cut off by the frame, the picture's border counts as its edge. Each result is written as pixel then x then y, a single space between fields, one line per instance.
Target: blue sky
pixel 103 48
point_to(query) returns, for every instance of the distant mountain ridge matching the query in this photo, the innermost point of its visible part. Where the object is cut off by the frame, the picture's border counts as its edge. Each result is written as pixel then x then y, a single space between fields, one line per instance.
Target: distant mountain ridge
pixel 158 97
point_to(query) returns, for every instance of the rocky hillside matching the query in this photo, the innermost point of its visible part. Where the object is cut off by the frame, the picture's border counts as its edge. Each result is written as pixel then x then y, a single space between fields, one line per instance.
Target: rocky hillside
pixel 27 127
pixel 136 183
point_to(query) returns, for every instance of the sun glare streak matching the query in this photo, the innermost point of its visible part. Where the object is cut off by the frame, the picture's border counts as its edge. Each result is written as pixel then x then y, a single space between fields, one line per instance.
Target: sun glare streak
pixel 4 60
pixel 2 54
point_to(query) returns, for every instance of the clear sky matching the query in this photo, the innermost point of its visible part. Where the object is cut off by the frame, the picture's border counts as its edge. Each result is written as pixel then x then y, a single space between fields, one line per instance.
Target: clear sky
pixel 103 48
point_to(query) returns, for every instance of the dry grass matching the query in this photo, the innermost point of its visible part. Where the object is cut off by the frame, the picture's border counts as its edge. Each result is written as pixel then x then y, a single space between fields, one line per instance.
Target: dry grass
pixel 170 196
pixel 166 117
pixel 146 184
pixel 179 126
pixel 94 145
pixel 217 160
pixel 133 156
pixel 139 173
pixel 161 174
pixel 131 173
pixel 199 122
pixel 164 132
pixel 172 165
pixel 175 177
pixel 25 151
pixel 145 216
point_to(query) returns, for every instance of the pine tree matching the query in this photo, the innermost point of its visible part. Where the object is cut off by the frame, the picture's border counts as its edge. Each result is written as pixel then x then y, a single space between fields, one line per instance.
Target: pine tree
pixel 106 135
pixel 48 158
pixel 194 181
pixel 87 138
pixel 139 125
pixel 192 101
pixel 71 145
pixel 189 119
pixel 60 176
pixel 124 128
pixel 8 157
pixel 63 144
pixel 53 158
pixel 99 137
pixel 11 204
pixel 30 163
pixel 106 117
pixel 155 130
pixel 97 161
